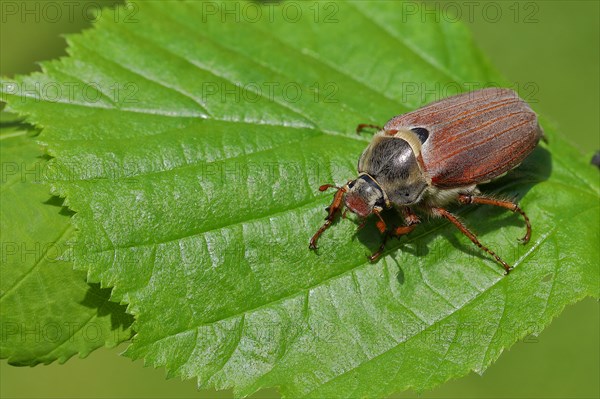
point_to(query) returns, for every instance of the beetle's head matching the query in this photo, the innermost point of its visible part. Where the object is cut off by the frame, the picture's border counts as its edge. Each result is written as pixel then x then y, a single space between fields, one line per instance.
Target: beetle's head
pixel 364 195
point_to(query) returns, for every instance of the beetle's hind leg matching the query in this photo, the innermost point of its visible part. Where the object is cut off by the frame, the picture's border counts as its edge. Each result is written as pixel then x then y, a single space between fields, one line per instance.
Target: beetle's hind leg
pixel 360 128
pixel 454 220
pixel 475 199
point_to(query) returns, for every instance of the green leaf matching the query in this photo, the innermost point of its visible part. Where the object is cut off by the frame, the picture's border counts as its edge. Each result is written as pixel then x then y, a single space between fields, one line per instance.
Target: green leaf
pixel 193 167
pixel 47 311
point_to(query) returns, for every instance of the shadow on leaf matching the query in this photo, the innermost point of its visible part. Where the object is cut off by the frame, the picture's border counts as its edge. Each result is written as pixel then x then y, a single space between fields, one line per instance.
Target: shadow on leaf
pixel 99 299
pixel 58 201
pixel 480 219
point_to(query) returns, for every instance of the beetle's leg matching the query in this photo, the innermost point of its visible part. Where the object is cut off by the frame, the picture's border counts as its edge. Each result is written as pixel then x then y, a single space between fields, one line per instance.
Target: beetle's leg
pixel 333 209
pixel 362 127
pixel 381 226
pixel 447 215
pixel 471 199
pixel 409 218
pixel 397 232
pixel 379 251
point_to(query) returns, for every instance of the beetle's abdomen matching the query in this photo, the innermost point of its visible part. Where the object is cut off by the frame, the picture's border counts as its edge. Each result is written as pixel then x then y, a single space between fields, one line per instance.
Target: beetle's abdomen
pixel 473 137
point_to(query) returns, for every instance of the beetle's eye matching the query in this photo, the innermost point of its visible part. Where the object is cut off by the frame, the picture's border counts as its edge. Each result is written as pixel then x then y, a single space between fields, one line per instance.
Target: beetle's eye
pixel 422 133
pixel 351 184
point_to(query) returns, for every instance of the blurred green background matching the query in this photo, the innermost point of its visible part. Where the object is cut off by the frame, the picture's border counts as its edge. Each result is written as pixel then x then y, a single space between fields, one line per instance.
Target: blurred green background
pixel 553 44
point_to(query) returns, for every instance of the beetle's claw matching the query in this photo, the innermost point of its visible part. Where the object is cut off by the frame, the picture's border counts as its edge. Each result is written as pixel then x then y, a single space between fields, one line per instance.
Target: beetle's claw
pixel 525 239
pixel 507 267
pixel 373 257
pixel 377 254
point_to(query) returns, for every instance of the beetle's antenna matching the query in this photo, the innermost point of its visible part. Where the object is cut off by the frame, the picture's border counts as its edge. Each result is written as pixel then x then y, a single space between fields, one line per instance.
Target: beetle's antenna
pixel 333 209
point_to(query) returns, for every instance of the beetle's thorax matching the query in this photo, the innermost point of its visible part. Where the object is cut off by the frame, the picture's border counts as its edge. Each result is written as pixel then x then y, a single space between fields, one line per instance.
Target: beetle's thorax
pixel 391 161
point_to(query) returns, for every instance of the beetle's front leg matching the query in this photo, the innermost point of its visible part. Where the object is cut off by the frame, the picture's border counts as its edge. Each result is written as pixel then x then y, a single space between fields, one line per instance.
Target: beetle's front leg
pixel 381 226
pixel 478 199
pixel 375 255
pixel 411 220
pixel 332 210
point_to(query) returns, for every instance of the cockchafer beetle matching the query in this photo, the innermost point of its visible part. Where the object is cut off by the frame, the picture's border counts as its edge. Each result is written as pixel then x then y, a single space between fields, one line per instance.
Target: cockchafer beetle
pixel 426 159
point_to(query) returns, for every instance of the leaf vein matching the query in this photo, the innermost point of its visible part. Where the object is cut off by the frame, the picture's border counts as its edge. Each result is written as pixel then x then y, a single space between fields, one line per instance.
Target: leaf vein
pixel 37 263
pixel 442 319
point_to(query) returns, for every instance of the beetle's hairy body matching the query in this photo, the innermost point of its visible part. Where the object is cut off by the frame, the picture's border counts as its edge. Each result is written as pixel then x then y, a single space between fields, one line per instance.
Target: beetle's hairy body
pixel 390 160
pixel 440 197
pixel 437 155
